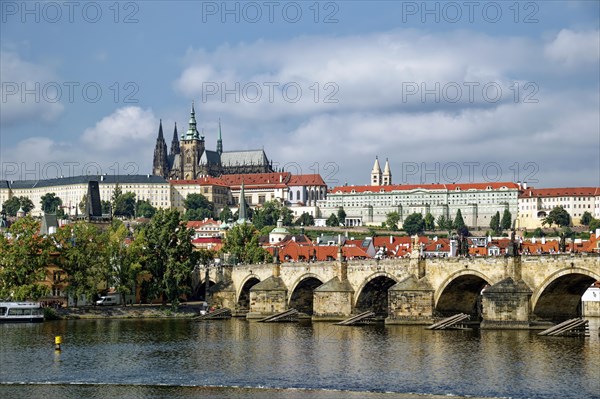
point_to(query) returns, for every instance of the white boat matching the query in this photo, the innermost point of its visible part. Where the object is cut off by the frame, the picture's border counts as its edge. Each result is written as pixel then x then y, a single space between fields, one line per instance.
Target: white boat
pixel 21 312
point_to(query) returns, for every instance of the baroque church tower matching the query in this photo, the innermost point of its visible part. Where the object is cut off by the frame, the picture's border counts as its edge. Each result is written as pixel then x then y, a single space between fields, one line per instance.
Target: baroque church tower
pixel 387 174
pixel 376 174
pixel 160 166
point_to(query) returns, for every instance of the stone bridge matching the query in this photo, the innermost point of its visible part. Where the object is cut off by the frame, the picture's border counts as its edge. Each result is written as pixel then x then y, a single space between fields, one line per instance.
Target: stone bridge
pixel 502 292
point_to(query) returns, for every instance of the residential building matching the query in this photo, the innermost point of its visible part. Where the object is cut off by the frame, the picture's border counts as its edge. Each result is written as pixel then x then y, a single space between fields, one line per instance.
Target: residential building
pixel 214 189
pixel 536 203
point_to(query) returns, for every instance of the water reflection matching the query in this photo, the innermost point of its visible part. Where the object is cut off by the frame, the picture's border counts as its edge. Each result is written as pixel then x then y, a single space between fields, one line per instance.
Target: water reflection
pixel 321 356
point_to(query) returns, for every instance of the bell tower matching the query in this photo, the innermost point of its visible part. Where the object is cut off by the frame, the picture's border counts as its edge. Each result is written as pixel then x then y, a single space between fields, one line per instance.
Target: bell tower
pixel 192 147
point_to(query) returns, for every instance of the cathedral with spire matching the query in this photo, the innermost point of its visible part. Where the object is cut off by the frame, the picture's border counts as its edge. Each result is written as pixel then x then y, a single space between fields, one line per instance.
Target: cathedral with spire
pixel 188 158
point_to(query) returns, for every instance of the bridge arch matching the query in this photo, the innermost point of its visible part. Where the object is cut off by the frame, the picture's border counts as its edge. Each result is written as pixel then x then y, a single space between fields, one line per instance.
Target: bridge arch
pixel 459 293
pixel 242 297
pixel 373 293
pixel 199 292
pixel 559 296
pixel 301 293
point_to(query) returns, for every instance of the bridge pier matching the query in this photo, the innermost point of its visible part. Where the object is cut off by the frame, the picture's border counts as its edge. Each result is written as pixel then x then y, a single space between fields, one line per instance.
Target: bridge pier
pixel 269 296
pixel 333 300
pixel 506 305
pixel 410 302
pixel 222 294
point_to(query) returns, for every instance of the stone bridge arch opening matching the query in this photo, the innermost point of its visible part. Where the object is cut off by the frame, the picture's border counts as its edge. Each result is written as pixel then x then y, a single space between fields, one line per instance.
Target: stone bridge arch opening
pixel 302 296
pixel 199 293
pixel 461 294
pixel 559 298
pixel 374 295
pixel 243 302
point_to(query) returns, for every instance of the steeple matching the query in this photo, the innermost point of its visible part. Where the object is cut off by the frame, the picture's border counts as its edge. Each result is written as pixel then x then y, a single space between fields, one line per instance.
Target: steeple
pixel 160 166
pixel 220 141
pixel 376 173
pixel 242 209
pixel 192 132
pixel 387 174
pixel 175 142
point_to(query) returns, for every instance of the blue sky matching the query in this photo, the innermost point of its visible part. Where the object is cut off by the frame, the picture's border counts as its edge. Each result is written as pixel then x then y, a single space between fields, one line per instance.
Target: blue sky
pixel 448 91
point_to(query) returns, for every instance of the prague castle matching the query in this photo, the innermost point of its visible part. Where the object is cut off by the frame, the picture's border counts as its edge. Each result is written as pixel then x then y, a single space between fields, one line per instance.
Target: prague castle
pixel 189 159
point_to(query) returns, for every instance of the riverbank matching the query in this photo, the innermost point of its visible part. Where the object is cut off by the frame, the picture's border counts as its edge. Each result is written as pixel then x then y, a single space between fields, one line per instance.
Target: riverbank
pixel 185 310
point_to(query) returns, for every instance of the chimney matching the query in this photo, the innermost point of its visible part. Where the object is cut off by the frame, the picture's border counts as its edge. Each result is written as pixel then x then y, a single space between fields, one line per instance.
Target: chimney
pixel 391 239
pixel 524 185
pixel 543 240
pixel 533 240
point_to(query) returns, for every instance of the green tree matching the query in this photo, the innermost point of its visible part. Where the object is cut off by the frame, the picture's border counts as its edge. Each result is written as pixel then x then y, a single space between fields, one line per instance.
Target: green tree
pixel 444 223
pixel 226 214
pixel 341 216
pixel 82 204
pixel 538 232
pixel 594 224
pixel 12 205
pixel 198 207
pixel 106 207
pixel 506 222
pixel 124 205
pixel 414 224
pixel 459 224
pixel 392 220
pixel 288 216
pixel 50 203
pixel 24 259
pixel 495 223
pixel 586 218
pixel 84 258
pixel 170 257
pixel 332 221
pixel 125 259
pixel 241 243
pixel 305 219
pixel 267 215
pixel 429 222
pixel 559 216
pixel 144 209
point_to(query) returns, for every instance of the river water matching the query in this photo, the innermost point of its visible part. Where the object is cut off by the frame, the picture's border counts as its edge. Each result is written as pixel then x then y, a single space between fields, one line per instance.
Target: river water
pixel 236 359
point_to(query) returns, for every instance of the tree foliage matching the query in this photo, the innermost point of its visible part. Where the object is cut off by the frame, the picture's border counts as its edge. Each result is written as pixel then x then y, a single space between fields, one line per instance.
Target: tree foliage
pixel 429 222
pixel 506 222
pixel 144 209
pixel 559 216
pixel 414 224
pixel 392 220
pixel 241 243
pixel 170 257
pixel 332 221
pixel 341 216
pixel 594 224
pixel 198 207
pixel 25 256
pixel 124 205
pixel 226 214
pixel 495 223
pixel 50 203
pixel 586 218
pixel 444 223
pixel 459 224
pixel 12 205
pixel 84 258
pixel 305 219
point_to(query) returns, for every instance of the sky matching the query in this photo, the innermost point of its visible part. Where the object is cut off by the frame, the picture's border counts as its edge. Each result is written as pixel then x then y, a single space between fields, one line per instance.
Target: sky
pixel 462 91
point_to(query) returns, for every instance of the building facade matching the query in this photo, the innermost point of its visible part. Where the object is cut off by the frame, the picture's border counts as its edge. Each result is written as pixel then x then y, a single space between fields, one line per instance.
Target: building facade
pixel 71 190
pixel 536 203
pixel 189 159
pixel 370 205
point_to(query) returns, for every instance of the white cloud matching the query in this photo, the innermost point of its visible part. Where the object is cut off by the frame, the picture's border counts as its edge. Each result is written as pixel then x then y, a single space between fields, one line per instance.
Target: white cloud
pixel 574 47
pixel 127 127
pixel 27 91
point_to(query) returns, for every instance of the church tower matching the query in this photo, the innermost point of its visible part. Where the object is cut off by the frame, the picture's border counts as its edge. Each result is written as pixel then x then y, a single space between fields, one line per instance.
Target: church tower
pixel 175 143
pixel 376 174
pixel 160 166
pixel 387 174
pixel 192 147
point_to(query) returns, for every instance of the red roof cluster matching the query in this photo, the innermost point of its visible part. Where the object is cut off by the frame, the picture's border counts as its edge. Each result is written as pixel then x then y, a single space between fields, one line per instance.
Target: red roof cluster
pixel 561 192
pixel 307 180
pixel 203 181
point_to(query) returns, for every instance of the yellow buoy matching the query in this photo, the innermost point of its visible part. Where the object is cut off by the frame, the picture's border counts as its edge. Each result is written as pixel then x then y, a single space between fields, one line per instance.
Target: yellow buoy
pixel 57 342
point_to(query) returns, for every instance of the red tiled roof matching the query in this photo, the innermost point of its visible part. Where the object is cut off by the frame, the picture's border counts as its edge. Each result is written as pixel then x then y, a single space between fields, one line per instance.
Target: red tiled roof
pixel 307 180
pixel 196 224
pixel 250 179
pixel 561 192
pixel 203 181
pixel 411 187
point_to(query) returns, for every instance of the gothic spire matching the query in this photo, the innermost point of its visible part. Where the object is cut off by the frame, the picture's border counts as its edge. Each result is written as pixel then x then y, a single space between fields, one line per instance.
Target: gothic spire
pixel 242 209
pixel 220 140
pixel 160 132
pixel 192 132
pixel 387 174
pixel 160 165
pixel 175 149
